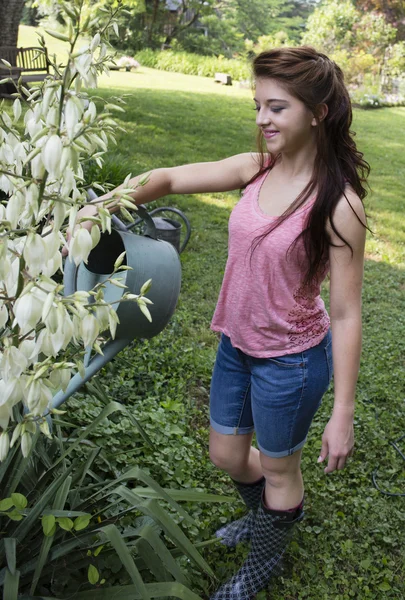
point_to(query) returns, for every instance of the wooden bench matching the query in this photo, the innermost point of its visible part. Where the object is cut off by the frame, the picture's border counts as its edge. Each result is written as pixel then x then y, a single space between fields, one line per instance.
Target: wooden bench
pixel 223 78
pixel 31 64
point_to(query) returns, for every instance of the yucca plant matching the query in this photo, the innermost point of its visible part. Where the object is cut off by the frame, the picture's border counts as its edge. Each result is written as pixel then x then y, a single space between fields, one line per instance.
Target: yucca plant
pixel 65 531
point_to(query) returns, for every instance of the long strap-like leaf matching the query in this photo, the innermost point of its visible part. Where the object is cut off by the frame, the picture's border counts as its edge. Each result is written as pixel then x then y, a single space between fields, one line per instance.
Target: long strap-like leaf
pixel 114 537
pixel 137 473
pixel 59 503
pixel 130 592
pixel 10 547
pixel 11 581
pixel 152 509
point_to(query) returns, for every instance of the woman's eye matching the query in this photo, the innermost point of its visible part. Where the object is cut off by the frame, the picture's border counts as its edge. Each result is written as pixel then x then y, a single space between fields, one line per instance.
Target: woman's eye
pixel 257 108
pixel 277 110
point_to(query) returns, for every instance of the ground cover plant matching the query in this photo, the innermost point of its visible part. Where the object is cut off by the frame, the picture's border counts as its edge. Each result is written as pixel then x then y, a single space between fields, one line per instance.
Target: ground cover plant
pixel 351 542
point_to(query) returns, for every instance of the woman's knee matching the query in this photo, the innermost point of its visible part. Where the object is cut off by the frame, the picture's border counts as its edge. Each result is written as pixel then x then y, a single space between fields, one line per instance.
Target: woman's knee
pixel 228 452
pixel 280 471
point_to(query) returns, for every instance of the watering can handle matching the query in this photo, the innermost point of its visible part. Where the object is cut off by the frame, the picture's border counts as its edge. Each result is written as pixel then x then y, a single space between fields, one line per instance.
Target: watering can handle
pixel 150 225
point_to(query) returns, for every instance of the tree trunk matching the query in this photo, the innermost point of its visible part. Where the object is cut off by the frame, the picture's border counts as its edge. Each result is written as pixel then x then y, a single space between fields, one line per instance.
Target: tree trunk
pixel 10 16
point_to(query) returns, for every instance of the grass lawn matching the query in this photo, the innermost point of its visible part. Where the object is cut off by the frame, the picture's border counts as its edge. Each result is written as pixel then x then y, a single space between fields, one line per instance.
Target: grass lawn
pixel 351 542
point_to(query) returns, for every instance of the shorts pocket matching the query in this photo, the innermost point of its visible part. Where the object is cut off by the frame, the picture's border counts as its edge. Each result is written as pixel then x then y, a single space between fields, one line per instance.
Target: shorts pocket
pixel 289 361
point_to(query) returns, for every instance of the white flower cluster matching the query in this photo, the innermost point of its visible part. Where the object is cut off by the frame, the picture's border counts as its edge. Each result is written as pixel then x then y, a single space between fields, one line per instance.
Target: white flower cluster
pixel 43 333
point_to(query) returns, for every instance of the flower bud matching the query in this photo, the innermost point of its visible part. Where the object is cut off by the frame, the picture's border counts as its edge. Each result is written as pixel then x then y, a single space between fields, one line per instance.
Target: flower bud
pixel 5 415
pixel 17 109
pixel 4 445
pixel 26 443
pixel 72 116
pixel 95 235
pixel 3 315
pixel 16 434
pixel 95 42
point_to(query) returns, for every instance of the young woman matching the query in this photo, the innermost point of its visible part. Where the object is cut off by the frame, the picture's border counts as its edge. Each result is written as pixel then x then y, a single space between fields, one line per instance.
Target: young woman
pixel 300 217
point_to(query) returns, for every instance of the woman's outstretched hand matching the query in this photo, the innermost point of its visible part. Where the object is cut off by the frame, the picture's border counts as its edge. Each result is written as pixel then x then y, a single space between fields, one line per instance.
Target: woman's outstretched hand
pixel 87 211
pixel 337 441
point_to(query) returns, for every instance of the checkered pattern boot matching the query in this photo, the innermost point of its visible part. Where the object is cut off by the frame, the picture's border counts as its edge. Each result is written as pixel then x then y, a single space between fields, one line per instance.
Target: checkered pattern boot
pixel 271 535
pixel 241 530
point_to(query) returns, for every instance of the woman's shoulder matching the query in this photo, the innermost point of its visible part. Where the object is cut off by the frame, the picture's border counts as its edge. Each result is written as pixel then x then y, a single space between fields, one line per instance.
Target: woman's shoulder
pixel 350 206
pixel 253 165
pixel 349 218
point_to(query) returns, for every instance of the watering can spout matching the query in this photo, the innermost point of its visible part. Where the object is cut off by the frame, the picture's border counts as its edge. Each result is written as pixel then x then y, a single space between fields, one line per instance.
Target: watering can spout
pixel 94 365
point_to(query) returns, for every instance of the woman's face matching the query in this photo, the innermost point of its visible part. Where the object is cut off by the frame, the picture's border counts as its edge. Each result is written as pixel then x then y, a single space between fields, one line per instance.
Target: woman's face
pixel 286 123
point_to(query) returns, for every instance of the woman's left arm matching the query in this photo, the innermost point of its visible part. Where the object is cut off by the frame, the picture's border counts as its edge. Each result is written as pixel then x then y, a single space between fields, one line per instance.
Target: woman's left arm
pixel 346 278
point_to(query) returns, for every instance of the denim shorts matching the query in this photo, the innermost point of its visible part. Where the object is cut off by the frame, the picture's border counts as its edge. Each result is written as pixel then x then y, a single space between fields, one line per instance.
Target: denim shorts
pixel 275 397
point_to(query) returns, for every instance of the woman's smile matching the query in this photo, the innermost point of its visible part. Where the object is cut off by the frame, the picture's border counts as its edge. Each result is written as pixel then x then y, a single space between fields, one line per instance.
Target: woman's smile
pixel 269 133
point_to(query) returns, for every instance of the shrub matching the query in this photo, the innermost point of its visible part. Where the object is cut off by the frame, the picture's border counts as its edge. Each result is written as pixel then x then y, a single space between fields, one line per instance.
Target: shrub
pixel 68 532
pixel 193 64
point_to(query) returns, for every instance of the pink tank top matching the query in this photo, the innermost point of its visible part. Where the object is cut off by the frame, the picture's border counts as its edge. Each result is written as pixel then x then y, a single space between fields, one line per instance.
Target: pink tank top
pixel 263 306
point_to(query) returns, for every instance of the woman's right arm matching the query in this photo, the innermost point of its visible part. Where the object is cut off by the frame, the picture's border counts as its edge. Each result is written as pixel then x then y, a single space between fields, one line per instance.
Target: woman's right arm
pixel 219 176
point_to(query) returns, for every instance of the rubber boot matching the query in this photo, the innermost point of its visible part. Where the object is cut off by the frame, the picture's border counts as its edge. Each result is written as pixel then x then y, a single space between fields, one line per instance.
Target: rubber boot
pixel 270 537
pixel 241 529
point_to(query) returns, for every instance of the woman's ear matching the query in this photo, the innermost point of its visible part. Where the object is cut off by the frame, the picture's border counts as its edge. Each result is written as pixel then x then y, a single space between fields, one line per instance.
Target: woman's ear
pixel 321 112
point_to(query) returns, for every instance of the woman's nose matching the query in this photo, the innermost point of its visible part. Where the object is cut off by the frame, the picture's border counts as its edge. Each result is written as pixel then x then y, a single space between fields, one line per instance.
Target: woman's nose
pixel 262 118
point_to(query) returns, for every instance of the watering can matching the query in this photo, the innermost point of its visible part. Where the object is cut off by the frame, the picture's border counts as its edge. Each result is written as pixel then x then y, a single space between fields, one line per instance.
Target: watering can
pixel 169 229
pixel 150 258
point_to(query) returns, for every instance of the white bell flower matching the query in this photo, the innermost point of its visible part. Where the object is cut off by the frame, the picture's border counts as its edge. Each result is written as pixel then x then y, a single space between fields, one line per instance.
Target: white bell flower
pixel 37 167
pixel 53 265
pixel 89 329
pixel 44 343
pixel 5 184
pixel 72 117
pixel 28 348
pixel 59 214
pixel 14 208
pixel 31 198
pixel 102 316
pixel 34 253
pixel 52 243
pixel 13 391
pixel 13 363
pixel 68 330
pixel 60 378
pixel 51 156
pixel 57 340
pixel 80 246
pixel 27 310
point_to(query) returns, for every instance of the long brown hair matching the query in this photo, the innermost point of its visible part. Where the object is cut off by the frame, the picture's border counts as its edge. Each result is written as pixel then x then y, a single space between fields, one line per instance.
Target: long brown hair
pixel 314 79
